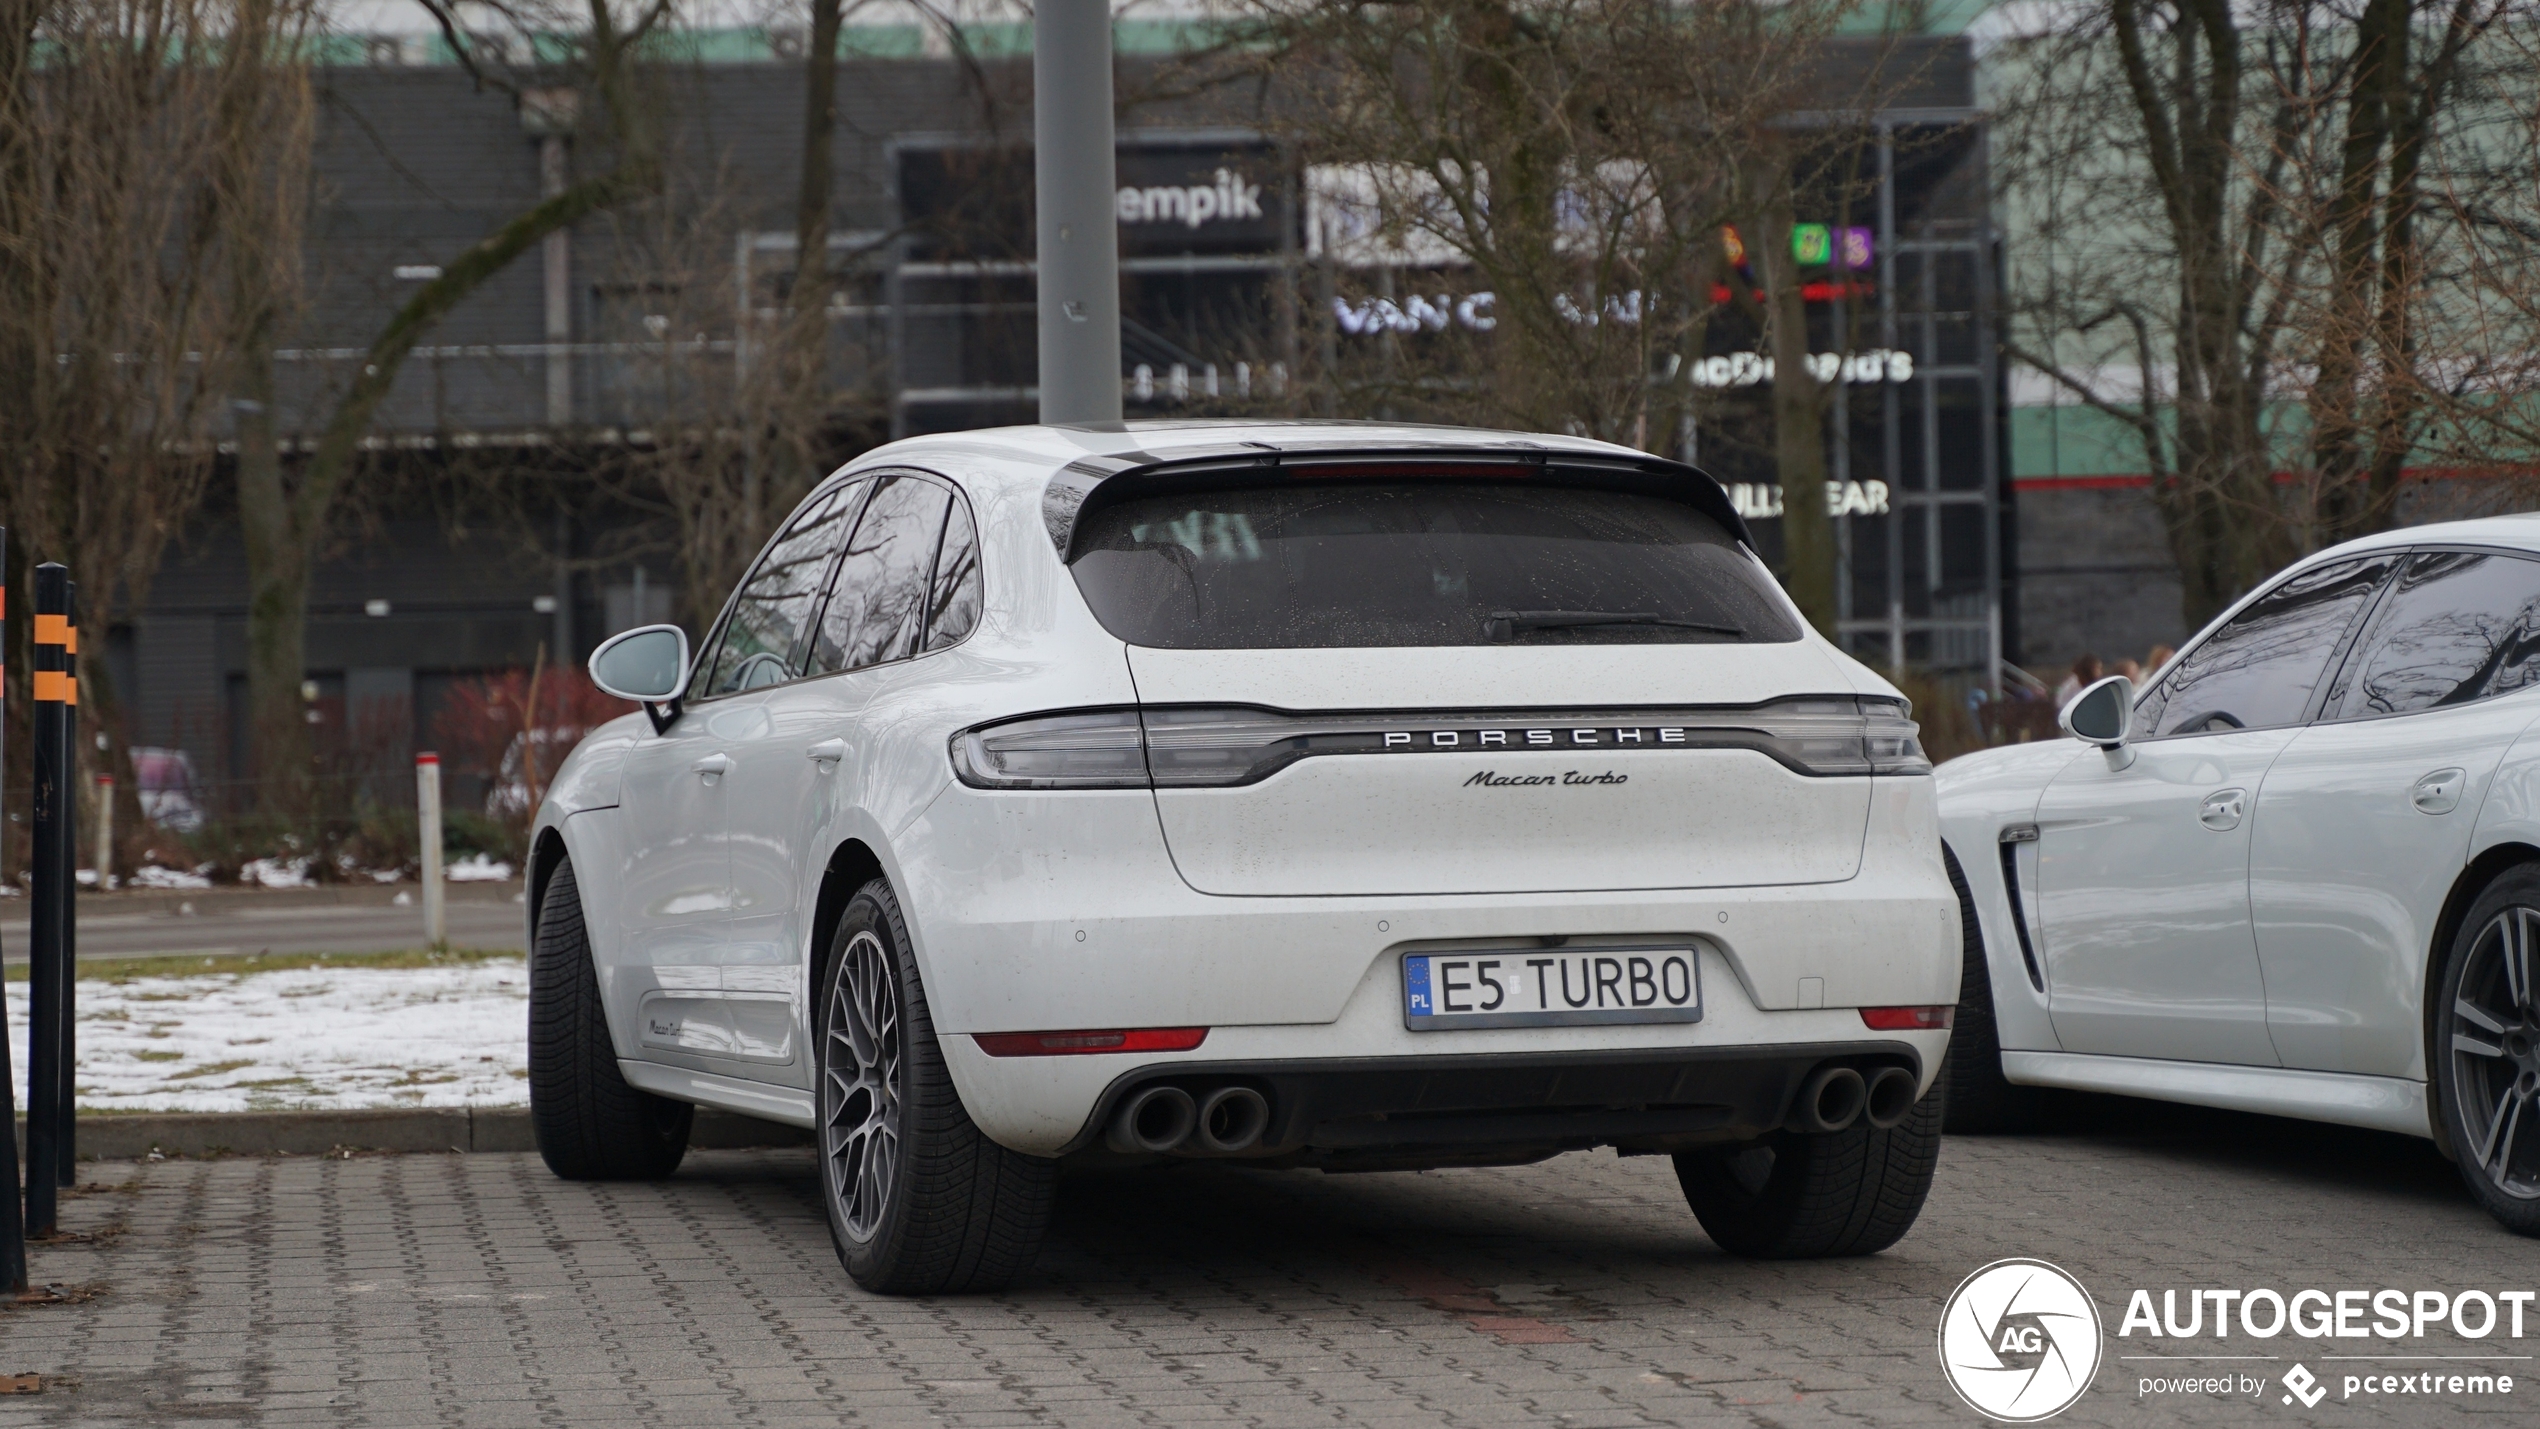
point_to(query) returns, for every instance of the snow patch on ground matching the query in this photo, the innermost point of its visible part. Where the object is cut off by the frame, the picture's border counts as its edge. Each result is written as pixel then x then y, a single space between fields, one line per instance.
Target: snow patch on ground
pixel 153 876
pixel 275 873
pixel 312 1038
pixel 477 868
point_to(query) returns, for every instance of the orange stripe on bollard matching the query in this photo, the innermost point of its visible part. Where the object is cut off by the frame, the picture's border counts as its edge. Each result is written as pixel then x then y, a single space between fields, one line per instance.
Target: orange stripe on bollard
pixel 56 686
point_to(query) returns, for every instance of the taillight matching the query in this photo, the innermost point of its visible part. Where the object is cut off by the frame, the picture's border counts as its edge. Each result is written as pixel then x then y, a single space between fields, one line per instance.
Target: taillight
pixel 1891 739
pixel 1187 747
pixel 1096 749
pixel 1835 735
pixel 1196 748
pixel 1908 1019
pixel 1077 1044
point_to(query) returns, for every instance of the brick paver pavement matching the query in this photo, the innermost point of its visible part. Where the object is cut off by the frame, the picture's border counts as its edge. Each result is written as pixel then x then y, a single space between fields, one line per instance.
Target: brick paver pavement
pixel 479 1290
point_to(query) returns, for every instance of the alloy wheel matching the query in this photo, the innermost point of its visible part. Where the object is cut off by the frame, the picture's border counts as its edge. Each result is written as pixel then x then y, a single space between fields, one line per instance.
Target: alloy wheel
pixel 861 1086
pixel 2495 1053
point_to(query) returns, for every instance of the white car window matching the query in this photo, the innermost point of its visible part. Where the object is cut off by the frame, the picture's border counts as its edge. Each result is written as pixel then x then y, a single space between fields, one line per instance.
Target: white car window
pixel 2259 671
pixel 877 605
pixel 761 640
pixel 2457 626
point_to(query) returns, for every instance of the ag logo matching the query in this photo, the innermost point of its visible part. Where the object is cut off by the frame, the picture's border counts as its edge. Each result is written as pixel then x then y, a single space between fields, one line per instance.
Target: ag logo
pixel 2019 1340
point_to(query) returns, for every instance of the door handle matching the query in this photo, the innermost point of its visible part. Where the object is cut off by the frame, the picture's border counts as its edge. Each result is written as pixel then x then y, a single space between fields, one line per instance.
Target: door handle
pixel 2222 809
pixel 827 751
pixel 713 765
pixel 2439 792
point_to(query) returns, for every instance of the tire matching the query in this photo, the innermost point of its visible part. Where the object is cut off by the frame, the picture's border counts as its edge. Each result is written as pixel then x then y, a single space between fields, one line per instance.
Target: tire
pixel 2485 1052
pixel 591 1125
pixel 920 1202
pixel 1802 1197
pixel 1981 1100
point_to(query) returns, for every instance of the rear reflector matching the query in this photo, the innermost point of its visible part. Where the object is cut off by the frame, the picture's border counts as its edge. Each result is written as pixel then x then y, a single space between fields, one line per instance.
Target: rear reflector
pixel 1071 1044
pixel 1908 1019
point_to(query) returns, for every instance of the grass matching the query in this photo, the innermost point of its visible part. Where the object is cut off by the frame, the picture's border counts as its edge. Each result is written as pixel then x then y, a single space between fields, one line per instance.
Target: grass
pixel 211 1069
pixel 199 965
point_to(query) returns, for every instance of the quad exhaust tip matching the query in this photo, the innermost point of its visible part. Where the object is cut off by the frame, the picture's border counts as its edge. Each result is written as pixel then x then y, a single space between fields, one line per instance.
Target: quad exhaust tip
pixel 1836 1096
pixel 1156 1119
pixel 1829 1100
pixel 1891 1097
pixel 1223 1121
pixel 1231 1119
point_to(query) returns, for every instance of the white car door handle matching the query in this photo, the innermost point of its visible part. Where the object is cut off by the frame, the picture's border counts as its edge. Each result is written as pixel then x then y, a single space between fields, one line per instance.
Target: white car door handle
pixel 827 751
pixel 2221 811
pixel 712 765
pixel 2439 792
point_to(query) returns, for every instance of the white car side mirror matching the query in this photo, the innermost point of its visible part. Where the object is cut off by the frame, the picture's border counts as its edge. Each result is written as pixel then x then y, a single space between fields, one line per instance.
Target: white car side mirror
pixel 2103 714
pixel 648 665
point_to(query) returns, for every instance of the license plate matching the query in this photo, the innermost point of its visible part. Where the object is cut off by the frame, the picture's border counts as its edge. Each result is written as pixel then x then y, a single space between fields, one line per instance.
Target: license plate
pixel 1550 987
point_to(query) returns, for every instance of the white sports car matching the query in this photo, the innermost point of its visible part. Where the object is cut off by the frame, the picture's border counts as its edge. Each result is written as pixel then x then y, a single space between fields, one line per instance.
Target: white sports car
pixel 2298 874
pixel 1321 795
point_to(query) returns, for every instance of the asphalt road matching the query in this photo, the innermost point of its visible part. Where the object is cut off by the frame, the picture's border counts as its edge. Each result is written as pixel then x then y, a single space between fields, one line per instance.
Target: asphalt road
pixel 480 1290
pixel 221 921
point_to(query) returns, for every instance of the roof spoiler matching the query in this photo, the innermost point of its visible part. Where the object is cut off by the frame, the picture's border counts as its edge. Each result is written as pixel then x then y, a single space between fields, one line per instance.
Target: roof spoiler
pixel 1092 483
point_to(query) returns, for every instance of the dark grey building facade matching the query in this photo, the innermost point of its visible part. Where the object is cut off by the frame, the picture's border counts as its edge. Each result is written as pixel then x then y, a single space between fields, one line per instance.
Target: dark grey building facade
pixel 492 531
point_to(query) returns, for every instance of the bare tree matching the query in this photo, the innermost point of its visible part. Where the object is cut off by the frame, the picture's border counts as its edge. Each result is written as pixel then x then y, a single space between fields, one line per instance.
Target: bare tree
pixel 2471 259
pixel 1566 171
pixel 737 438
pixel 152 168
pixel 732 423
pixel 589 60
pixel 2226 208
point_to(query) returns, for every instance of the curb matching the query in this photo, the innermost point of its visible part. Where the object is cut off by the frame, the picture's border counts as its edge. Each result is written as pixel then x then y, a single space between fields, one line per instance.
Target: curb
pixel 313 1133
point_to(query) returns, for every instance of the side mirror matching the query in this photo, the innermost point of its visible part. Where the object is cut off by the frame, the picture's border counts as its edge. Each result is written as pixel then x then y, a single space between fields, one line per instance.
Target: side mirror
pixel 648 665
pixel 2102 714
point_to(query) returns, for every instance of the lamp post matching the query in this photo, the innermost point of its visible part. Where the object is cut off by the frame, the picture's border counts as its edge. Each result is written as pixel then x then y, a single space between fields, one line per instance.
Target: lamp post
pixel 1079 240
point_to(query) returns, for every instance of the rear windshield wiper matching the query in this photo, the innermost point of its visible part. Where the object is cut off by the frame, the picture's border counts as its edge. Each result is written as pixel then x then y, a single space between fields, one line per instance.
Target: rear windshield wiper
pixel 1504 625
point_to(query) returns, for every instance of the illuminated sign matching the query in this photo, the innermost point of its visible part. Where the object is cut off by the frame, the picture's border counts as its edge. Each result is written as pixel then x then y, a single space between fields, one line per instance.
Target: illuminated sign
pixel 1813 245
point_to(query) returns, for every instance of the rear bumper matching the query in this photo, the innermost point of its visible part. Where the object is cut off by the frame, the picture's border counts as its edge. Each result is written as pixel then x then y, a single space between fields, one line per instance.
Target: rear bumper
pixel 1064 911
pixel 1378 1112
pixel 1328 1082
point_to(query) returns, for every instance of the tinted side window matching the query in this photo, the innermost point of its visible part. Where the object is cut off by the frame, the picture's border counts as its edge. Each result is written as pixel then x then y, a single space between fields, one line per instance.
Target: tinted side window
pixel 952 607
pixel 762 638
pixel 2458 626
pixel 877 608
pixel 2258 672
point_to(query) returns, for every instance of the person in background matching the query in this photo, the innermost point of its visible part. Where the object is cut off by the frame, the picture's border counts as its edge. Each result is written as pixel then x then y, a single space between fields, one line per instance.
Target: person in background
pixel 2085 670
pixel 2132 671
pixel 2153 662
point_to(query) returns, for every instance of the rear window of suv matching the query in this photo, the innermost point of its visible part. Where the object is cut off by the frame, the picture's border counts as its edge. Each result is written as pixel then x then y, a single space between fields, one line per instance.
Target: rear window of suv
pixel 1424 563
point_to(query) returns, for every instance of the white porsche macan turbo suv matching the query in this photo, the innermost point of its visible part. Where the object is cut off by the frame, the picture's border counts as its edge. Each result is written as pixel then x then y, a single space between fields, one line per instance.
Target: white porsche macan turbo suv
pixel 1305 794
pixel 2299 873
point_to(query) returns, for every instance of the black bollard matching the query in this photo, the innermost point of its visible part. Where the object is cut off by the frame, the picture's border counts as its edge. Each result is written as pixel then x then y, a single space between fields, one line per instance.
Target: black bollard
pixel 12 1209
pixel 66 1153
pixel 46 917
